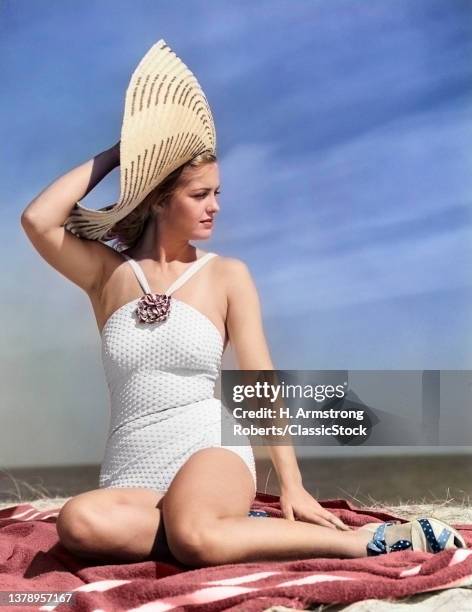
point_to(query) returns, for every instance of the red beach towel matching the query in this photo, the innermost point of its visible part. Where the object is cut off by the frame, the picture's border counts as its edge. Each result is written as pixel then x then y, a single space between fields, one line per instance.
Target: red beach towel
pixel 33 559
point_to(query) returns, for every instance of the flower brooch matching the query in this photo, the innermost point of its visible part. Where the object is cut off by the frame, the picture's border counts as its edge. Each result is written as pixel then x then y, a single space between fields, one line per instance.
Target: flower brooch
pixel 153 307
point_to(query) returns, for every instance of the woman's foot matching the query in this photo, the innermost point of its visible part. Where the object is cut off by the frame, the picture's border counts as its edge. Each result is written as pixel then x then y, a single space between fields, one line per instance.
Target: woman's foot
pixel 424 534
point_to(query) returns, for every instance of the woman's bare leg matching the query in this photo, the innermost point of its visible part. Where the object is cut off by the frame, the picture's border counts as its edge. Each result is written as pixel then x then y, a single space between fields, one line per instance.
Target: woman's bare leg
pixel 114 524
pixel 205 514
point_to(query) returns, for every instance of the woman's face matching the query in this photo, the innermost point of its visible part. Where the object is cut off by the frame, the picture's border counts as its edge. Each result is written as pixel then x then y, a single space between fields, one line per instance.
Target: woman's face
pixel 194 202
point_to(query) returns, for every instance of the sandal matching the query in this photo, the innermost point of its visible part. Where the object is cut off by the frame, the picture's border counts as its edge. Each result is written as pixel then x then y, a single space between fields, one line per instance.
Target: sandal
pixel 426 535
pixel 257 513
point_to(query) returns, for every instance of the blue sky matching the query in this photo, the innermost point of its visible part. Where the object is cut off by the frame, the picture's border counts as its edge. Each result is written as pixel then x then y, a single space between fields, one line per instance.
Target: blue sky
pixel 341 133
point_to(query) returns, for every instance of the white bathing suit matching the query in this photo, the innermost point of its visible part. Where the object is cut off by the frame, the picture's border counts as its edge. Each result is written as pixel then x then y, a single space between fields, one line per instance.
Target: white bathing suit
pixel 161 377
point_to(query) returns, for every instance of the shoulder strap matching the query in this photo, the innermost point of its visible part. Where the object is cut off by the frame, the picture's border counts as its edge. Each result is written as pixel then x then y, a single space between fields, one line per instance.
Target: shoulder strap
pixel 179 281
pixel 139 274
pixel 190 271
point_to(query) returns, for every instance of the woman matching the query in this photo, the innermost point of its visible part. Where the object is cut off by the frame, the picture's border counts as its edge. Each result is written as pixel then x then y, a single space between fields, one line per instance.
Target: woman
pixel 206 493
pixel 165 311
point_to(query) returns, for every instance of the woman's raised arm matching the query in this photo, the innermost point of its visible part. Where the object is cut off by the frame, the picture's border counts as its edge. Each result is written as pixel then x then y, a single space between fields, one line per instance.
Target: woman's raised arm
pixel 78 259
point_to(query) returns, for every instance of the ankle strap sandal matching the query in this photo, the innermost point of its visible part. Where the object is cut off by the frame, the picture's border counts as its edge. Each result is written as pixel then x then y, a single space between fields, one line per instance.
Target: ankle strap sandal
pixel 378 545
pixel 433 535
pixel 425 534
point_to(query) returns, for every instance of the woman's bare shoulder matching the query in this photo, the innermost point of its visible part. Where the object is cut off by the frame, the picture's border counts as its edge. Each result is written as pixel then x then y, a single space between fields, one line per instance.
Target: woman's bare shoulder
pixel 229 265
pixel 234 272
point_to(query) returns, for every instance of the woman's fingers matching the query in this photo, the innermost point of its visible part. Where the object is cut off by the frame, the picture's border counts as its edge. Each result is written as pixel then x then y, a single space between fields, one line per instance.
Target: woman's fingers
pixel 288 512
pixel 329 516
pixel 336 521
pixel 320 520
pixel 326 519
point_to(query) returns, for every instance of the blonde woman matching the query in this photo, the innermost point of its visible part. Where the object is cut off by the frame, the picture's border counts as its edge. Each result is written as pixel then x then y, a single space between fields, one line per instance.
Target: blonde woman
pixel 165 311
pixel 166 483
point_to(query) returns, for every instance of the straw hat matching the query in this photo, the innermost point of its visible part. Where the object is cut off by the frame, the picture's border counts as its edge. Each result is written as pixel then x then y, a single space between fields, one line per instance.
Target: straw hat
pixel 167 121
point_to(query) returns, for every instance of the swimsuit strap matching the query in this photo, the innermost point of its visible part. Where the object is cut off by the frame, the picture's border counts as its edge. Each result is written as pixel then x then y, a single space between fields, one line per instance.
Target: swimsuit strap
pixel 190 271
pixel 179 281
pixel 139 273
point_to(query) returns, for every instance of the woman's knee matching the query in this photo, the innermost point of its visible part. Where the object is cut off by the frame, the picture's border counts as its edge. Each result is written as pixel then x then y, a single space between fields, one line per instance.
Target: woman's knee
pixel 192 543
pixel 77 525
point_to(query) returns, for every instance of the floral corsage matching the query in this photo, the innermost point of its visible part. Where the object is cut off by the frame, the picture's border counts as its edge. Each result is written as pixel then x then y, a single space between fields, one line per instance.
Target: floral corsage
pixel 153 307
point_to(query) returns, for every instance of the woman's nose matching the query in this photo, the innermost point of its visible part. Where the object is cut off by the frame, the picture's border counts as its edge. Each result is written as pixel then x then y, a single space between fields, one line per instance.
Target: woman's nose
pixel 214 207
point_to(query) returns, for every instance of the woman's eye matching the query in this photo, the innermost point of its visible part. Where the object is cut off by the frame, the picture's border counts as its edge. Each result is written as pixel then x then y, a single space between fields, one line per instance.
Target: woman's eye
pixel 203 195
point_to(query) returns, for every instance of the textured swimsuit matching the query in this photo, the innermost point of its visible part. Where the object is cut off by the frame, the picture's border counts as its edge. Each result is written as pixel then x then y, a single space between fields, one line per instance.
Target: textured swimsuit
pixel 161 377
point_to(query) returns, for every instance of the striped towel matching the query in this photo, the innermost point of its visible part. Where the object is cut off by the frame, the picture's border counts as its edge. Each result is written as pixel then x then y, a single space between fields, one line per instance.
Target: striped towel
pixel 32 558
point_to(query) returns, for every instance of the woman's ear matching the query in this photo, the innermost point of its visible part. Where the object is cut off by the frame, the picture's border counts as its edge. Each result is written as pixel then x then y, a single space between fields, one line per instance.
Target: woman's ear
pixel 161 205
pixel 156 209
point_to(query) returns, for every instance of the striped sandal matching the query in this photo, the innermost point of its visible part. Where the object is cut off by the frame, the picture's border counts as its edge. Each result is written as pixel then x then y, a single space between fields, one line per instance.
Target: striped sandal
pixel 425 534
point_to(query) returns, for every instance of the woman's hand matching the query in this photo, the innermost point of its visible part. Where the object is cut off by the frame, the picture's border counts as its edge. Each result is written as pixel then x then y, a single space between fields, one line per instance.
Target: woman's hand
pixel 297 503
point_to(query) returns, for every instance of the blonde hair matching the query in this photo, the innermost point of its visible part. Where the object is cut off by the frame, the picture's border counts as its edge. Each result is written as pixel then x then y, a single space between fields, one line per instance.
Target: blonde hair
pixel 128 230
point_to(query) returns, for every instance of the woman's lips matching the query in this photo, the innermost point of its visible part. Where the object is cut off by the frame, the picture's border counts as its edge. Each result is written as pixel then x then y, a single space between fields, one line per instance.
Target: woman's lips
pixel 207 222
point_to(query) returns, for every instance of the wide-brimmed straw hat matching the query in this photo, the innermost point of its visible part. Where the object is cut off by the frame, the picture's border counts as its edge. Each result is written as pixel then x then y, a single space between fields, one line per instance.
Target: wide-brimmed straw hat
pixel 167 121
